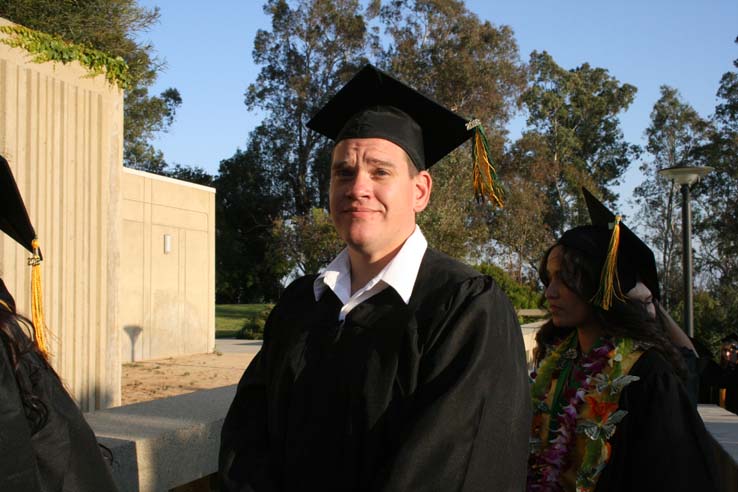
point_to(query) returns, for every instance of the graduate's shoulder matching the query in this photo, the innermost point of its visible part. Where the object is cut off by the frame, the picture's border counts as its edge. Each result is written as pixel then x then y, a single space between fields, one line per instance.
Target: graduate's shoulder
pixel 299 288
pixel 652 363
pixel 441 274
pixel 657 379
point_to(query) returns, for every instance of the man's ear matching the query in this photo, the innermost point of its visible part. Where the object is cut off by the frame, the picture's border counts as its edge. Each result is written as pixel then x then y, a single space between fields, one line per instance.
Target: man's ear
pixel 423 186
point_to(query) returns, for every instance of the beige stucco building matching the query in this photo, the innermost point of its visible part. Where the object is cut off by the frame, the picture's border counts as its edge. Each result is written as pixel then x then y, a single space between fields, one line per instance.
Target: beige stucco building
pixel 167 267
pixel 101 229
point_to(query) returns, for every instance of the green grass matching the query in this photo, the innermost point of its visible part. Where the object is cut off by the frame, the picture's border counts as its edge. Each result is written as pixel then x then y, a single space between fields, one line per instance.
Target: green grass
pixel 229 318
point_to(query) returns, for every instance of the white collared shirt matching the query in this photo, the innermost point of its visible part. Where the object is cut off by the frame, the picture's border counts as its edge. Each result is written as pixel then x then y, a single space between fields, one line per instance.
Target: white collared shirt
pixel 400 274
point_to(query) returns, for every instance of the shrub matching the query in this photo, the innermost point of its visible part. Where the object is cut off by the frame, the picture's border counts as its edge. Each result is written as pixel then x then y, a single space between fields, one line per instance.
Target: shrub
pixel 253 328
pixel 522 296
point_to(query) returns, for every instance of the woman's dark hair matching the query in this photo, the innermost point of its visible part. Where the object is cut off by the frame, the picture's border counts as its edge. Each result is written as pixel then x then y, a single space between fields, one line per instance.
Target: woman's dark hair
pixel 14 333
pixel 625 318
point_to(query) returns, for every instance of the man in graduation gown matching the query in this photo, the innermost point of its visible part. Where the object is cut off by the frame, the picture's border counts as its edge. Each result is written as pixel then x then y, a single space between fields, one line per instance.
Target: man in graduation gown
pixel 45 443
pixel 397 368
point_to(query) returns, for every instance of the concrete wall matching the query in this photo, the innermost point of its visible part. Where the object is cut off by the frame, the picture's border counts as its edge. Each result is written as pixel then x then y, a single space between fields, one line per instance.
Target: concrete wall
pixel 167 298
pixel 62 133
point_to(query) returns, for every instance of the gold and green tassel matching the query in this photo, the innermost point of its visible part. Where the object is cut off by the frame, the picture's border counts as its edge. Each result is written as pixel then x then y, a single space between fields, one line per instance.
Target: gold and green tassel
pixel 609 281
pixel 486 182
pixel 37 306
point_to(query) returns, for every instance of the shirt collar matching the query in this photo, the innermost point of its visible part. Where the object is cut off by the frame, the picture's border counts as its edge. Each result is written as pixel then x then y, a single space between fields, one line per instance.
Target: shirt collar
pixel 400 273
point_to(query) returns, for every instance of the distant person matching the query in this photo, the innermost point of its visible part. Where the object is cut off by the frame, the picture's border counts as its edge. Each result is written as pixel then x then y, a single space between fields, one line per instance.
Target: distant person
pixel 722 378
pixel 45 443
pixel 610 409
pixel 397 368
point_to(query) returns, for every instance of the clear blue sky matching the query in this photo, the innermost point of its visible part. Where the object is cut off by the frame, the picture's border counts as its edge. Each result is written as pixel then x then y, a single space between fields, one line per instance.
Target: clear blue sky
pixel 687 44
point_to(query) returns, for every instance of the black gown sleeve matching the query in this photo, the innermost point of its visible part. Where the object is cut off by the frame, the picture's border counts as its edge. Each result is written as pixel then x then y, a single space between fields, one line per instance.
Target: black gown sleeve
pixel 244 457
pixel 662 443
pixel 244 448
pixel 17 466
pixel 468 422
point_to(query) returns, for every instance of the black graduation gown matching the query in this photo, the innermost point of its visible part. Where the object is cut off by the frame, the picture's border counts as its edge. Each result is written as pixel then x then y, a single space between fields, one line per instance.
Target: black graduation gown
pixel 662 443
pixel 429 396
pixel 63 456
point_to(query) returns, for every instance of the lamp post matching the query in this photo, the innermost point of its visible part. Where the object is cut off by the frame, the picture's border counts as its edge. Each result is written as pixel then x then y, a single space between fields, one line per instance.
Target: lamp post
pixel 686 176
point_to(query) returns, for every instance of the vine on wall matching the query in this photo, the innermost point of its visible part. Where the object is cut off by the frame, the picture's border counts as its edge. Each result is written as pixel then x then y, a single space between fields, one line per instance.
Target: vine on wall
pixel 46 47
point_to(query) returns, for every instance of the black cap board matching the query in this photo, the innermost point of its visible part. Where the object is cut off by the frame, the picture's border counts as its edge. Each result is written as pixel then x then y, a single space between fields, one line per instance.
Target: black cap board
pixel 636 260
pixel 14 220
pixel 373 104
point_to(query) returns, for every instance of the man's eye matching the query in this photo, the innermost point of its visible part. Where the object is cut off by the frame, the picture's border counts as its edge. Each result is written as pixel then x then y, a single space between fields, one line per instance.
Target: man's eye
pixel 343 173
pixel 381 172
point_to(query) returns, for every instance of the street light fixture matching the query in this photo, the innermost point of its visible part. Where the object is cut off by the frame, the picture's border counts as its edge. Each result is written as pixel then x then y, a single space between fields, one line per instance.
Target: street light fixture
pixel 686 176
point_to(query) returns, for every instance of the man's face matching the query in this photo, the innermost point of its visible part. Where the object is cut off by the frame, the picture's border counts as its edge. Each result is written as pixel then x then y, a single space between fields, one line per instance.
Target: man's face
pixel 373 197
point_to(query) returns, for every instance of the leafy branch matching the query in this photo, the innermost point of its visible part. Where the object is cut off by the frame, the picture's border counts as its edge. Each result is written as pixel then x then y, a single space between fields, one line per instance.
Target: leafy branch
pixel 47 47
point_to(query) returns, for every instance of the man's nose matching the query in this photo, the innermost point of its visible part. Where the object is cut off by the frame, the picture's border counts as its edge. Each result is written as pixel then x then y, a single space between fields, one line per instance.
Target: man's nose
pixel 360 186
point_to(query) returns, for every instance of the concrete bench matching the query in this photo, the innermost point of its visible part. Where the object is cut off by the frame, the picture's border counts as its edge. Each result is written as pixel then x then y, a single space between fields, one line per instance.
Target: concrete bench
pixel 163 444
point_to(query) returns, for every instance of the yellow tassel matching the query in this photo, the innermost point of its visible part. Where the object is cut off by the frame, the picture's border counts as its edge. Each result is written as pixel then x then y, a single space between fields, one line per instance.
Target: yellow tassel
pixel 609 281
pixel 486 184
pixel 37 306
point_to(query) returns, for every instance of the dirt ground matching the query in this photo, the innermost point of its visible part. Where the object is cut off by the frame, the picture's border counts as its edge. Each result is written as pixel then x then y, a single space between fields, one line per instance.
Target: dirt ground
pixel 150 380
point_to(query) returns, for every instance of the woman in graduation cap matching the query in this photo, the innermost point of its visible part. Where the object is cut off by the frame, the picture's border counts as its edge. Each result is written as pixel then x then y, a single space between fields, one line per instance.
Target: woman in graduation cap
pixel 397 368
pixel 645 290
pixel 45 443
pixel 610 409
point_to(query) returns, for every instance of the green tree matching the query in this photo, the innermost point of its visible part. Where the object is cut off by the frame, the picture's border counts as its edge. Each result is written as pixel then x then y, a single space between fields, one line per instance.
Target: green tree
pixel 312 48
pixel 308 242
pixel 248 201
pixel 720 188
pixel 522 296
pixel 111 26
pixel 521 229
pixel 675 133
pixel 716 308
pixel 191 174
pixel 574 116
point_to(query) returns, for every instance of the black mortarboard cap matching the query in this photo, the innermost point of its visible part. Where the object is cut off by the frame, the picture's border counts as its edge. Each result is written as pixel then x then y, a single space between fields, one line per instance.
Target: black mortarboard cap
pixel 636 260
pixel 373 104
pixel 14 219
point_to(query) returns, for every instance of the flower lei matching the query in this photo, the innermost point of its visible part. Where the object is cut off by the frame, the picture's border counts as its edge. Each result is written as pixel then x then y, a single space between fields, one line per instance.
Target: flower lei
pixel 600 389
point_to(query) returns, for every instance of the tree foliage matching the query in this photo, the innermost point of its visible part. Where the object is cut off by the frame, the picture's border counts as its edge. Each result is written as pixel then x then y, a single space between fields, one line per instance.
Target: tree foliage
pixel 307 242
pixel 447 52
pixel 720 189
pixel 191 174
pixel 247 266
pixel 574 131
pixel 521 295
pixel 675 134
pixel 111 26
pixel 313 47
